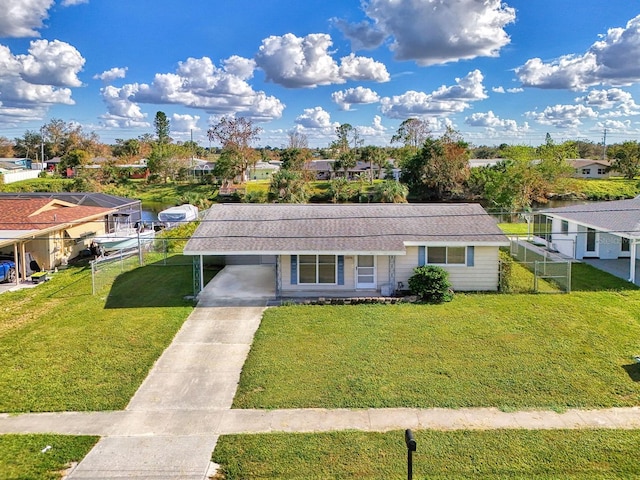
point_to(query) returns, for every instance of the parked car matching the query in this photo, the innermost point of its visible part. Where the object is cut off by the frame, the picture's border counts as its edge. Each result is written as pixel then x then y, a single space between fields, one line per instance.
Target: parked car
pixel 7 271
pixel 31 266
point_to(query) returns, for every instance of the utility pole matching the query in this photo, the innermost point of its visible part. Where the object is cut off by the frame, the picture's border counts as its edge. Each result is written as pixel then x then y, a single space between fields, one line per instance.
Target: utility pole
pixel 42 146
pixel 604 145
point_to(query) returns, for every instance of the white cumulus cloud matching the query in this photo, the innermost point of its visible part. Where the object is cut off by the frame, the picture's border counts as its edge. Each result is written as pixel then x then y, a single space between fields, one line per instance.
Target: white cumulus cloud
pixel 354 96
pixel 620 102
pixel 443 101
pixel 183 125
pixel 306 62
pixel 563 116
pixel 613 60
pixel 121 111
pixel 316 117
pixel 31 83
pixel 112 74
pixel 22 18
pixel 198 83
pixel 492 122
pixel 434 31
pixel 52 63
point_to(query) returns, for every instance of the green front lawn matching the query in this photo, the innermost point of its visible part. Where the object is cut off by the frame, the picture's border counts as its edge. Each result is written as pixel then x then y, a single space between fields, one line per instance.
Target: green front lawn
pixel 22 456
pixel 549 351
pixel 62 348
pixel 498 454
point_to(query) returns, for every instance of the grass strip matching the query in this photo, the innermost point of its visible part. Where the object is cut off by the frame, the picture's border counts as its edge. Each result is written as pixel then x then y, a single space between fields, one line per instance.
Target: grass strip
pixel 495 454
pixel 27 457
pixel 63 349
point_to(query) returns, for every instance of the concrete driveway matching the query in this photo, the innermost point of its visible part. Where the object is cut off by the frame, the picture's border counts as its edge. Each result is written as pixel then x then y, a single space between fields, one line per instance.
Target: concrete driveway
pixel 240 285
pixel 169 428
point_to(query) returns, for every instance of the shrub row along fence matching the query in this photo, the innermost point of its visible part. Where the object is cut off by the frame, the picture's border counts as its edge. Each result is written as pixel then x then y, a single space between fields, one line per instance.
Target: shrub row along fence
pixel 545 265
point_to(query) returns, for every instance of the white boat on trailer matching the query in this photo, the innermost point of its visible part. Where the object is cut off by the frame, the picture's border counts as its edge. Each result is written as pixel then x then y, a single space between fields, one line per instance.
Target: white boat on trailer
pixel 125 239
pixel 174 216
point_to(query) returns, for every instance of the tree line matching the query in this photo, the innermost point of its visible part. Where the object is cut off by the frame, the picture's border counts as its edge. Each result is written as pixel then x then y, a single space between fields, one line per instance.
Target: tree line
pixel 431 168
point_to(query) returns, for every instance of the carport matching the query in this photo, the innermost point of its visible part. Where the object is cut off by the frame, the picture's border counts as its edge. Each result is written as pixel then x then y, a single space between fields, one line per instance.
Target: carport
pixel 240 285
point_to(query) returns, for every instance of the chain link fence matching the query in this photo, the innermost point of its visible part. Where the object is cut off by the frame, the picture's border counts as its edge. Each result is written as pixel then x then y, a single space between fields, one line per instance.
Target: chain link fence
pixel 161 252
pixel 545 265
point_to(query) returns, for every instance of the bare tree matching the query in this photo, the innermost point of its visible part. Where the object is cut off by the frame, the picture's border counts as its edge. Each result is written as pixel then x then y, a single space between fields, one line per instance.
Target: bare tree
pixel 412 133
pixel 298 140
pixel 236 136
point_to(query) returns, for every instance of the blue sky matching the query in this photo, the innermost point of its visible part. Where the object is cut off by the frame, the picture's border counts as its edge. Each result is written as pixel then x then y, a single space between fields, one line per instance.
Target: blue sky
pixel 497 72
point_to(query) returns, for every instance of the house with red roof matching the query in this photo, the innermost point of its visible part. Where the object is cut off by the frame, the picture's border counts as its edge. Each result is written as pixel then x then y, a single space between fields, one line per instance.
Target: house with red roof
pixel 48 230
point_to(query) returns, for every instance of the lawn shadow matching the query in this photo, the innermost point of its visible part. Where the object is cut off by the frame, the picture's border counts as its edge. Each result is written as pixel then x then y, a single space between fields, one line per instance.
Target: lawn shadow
pixel 633 370
pixel 587 278
pixel 159 284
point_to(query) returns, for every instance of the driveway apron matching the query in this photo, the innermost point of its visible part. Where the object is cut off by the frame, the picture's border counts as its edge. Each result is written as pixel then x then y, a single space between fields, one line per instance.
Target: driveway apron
pixel 168 428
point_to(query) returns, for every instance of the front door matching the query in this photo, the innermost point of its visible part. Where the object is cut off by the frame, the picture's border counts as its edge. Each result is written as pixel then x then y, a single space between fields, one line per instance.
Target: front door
pixel 592 243
pixel 366 271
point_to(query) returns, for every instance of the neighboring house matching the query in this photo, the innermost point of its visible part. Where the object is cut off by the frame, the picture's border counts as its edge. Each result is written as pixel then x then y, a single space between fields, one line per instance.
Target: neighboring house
pixel 353 250
pixel 201 167
pixel 262 171
pixel 325 170
pixel 17 169
pixel 48 230
pixel 484 162
pixel 586 168
pixel 604 230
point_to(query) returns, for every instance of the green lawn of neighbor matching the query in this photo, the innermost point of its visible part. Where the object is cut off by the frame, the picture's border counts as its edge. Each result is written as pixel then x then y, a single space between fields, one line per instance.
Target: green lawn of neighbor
pixel 514 228
pixel 22 456
pixel 498 454
pixel 62 348
pixel 549 351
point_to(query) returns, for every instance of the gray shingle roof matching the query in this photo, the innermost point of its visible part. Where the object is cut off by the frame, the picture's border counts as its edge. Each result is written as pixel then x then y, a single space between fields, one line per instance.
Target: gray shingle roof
pixel 372 228
pixel 619 216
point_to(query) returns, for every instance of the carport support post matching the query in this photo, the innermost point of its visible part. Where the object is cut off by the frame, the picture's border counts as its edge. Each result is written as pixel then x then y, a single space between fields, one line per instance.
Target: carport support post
pixel 632 262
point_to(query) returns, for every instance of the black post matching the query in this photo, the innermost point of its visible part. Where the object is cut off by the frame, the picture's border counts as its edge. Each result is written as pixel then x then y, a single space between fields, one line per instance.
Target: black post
pixel 411 447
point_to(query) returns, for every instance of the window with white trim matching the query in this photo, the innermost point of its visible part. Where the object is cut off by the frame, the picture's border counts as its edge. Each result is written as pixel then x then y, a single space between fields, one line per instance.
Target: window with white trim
pixel 602 171
pixel 317 269
pixel 586 171
pixel 446 255
pixel 564 227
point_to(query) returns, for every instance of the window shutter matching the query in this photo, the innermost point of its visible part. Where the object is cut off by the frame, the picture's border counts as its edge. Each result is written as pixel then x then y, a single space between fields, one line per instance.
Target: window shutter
pixel 294 269
pixel 422 254
pixel 340 269
pixel 471 256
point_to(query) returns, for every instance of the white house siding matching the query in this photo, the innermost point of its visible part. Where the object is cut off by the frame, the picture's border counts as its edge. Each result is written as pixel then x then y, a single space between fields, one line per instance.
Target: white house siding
pixel 564 243
pixel 482 276
pixel 349 287
pixel 573 243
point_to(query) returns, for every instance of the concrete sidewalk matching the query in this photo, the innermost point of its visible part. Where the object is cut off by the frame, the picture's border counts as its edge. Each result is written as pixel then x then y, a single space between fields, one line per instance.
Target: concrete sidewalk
pixel 212 423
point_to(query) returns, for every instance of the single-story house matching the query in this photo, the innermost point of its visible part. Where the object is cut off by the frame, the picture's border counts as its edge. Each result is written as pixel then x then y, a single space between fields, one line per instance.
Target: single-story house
pixel 124 210
pixel 49 231
pixel 262 170
pixel 353 250
pixel 604 230
pixel 587 168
